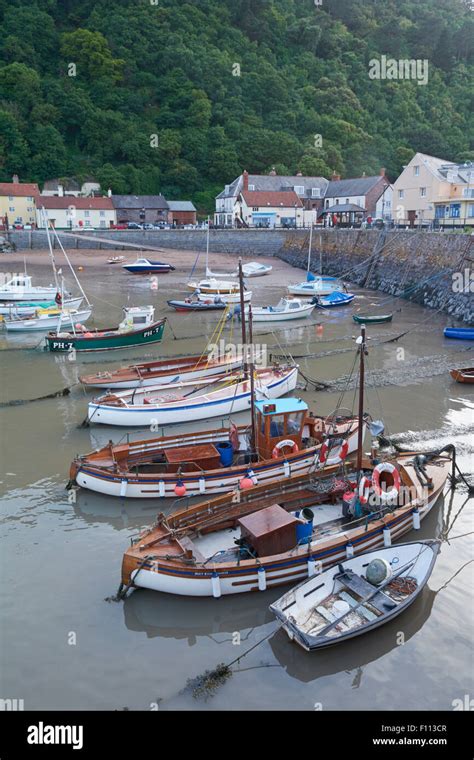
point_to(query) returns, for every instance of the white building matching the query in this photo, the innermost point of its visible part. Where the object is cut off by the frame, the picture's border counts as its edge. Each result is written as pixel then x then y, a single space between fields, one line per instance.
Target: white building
pixel 65 212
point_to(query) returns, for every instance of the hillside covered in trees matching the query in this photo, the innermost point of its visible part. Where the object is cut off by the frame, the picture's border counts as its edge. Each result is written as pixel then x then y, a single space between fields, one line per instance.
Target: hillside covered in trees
pixel 178 96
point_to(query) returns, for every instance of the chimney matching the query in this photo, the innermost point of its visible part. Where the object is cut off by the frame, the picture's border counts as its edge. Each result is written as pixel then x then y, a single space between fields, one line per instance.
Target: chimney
pixel 335 177
pixel 245 176
pixel 109 192
pixel 60 191
pixel 15 179
pixel 273 172
pixel 299 174
pixel 382 172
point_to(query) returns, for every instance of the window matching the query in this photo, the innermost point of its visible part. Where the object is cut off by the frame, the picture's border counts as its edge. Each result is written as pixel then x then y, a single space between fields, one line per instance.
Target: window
pixel 10 197
pixel 439 213
pixel 337 201
pixel 252 187
pixel 11 208
pixel 316 192
pixel 423 192
pixel 299 189
pixel 455 210
pixel 347 200
pixel 468 192
pixel 255 208
pixel 416 171
pixel 29 198
pixel 102 213
pixel 470 211
pixel 401 194
pixel 87 213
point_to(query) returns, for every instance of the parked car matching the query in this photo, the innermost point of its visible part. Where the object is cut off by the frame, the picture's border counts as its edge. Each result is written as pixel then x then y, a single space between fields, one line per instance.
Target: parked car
pixel 17 226
pixel 119 226
pixel 148 226
pixel 134 226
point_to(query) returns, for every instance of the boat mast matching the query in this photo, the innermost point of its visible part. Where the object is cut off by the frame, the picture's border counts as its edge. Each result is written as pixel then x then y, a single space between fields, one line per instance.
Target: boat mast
pixel 208 274
pixel 253 436
pixel 309 247
pixel 51 253
pixel 360 432
pixel 242 304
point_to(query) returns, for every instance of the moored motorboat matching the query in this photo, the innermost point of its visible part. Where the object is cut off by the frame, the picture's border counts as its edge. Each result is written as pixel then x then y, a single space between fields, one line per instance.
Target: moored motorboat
pixel 270 535
pixel 255 269
pixel 289 441
pixel 334 299
pixel 367 591
pixel 459 333
pixel 319 286
pixel 226 298
pixel 372 319
pixel 20 288
pixel 463 375
pixel 138 328
pixel 286 308
pixel 181 402
pixel 213 286
pixel 115 259
pixel 162 371
pixel 147 266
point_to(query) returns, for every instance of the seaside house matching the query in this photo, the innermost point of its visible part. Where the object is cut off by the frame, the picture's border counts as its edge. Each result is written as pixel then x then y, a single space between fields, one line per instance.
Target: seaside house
pixel 353 200
pixel 17 203
pixel 66 212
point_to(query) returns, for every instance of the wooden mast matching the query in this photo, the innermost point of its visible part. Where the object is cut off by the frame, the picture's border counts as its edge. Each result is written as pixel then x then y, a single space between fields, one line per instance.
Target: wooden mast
pixel 242 304
pixel 253 438
pixel 360 433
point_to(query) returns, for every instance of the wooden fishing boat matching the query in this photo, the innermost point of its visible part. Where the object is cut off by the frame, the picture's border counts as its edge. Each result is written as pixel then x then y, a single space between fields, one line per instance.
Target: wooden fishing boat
pixel 288 442
pixel 146 266
pixel 459 333
pixel 48 319
pixel 286 531
pixel 286 309
pixel 463 375
pixel 19 310
pixel 374 319
pixel 162 371
pixel 177 402
pixel 196 305
pixel 367 591
pixel 335 299
pixel 138 328
pixel 318 286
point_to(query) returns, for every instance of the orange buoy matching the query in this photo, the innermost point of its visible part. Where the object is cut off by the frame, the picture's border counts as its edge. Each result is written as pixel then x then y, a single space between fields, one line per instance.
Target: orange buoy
pixel 246 482
pixel 180 488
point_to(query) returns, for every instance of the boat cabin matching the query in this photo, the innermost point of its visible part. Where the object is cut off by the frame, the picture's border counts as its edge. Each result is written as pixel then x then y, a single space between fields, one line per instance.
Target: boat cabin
pixel 137 316
pixel 19 282
pixel 277 421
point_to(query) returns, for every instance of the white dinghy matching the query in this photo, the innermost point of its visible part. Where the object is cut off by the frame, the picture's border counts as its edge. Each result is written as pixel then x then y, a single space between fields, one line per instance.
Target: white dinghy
pixel 286 308
pixel 366 592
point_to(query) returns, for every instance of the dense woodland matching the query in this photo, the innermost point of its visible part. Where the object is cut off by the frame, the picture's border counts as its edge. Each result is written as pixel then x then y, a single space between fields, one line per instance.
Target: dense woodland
pixel 178 96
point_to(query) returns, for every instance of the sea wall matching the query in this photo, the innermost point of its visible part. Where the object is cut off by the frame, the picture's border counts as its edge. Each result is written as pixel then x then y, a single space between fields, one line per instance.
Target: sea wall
pixel 433 269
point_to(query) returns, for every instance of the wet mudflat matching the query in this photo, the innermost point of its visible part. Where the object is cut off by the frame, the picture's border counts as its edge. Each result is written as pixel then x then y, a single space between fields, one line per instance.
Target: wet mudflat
pixel 64 647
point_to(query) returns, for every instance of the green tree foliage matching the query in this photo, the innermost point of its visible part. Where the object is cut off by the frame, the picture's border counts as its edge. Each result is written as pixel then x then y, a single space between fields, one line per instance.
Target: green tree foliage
pixel 179 98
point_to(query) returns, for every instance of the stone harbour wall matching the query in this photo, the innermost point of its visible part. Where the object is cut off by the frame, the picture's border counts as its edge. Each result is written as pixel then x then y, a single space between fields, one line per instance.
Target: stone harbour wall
pixel 432 269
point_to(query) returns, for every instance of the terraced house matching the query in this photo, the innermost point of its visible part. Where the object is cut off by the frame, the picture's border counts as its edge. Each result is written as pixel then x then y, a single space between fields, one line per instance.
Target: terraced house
pixel 17 203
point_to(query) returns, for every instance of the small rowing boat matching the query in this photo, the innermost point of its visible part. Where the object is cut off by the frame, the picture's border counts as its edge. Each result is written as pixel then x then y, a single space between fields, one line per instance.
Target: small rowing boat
pixel 182 402
pixel 163 371
pixel 463 375
pixel 146 266
pixel 367 591
pixel 138 328
pixel 374 319
pixel 335 299
pixel 115 259
pixel 459 333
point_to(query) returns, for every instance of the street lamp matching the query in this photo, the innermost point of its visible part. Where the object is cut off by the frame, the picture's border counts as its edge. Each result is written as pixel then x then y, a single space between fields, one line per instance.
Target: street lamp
pixel 469 175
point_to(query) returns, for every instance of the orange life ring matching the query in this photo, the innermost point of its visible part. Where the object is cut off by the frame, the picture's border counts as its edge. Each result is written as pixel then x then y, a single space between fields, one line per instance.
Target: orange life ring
pixel 383 494
pixel 281 444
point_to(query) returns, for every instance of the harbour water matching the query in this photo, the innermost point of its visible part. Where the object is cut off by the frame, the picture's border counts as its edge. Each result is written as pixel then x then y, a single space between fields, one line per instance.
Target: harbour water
pixel 63 646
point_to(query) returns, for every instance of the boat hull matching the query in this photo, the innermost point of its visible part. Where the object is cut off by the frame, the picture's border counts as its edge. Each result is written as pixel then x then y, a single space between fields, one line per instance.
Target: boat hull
pixel 375 320
pixel 189 410
pixel 463 375
pixel 265 315
pixel 26 309
pixel 28 294
pixel 199 581
pixel 150 334
pixel 200 306
pixel 459 333
pixel 126 484
pixel 323 286
pixel 43 324
pixel 158 269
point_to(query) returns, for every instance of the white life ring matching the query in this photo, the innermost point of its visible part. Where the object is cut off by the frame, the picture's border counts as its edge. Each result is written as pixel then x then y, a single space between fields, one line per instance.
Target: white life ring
pixel 281 444
pixel 390 494
pixel 323 453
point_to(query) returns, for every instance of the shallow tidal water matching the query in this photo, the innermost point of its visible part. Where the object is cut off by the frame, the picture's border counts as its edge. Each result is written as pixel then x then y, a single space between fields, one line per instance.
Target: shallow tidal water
pixel 62 646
